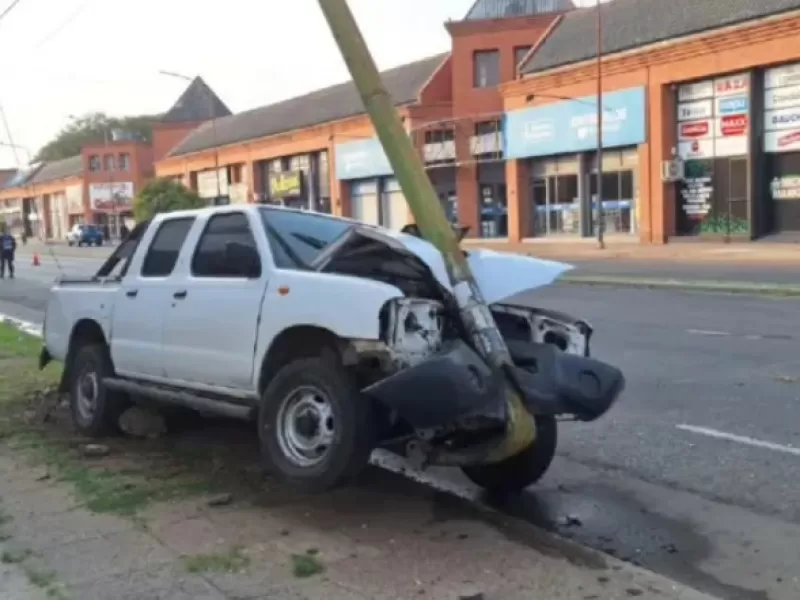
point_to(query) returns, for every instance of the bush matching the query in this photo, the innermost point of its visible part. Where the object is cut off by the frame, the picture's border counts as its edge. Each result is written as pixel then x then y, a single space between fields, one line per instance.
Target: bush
pixel 162 195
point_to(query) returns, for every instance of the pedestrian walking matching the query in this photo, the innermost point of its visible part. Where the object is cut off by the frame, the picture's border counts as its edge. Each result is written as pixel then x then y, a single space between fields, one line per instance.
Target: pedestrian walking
pixel 8 248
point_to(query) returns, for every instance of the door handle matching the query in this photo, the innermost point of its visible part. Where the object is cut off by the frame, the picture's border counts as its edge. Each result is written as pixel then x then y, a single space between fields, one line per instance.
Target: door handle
pixel 180 295
pixel 131 293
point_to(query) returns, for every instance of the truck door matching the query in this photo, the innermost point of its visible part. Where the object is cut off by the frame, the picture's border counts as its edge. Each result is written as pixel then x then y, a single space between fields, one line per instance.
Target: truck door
pixel 143 300
pixel 211 326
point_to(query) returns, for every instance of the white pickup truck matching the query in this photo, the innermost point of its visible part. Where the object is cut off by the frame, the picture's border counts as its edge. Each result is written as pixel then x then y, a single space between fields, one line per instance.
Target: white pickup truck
pixel 333 336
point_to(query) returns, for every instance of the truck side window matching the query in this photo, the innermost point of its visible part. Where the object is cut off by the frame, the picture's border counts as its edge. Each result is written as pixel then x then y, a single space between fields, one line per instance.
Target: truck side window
pixel 117 264
pixel 162 255
pixel 221 230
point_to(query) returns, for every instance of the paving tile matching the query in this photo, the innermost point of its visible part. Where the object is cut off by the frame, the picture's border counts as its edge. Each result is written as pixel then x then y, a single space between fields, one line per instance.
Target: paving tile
pixel 167 582
pixel 116 554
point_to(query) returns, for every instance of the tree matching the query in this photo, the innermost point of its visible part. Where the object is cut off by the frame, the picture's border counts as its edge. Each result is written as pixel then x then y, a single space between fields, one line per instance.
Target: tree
pixel 93 128
pixel 162 195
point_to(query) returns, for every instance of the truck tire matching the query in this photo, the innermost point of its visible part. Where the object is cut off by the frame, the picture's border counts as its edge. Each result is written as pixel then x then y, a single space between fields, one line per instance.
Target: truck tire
pixel 95 409
pixel 514 474
pixel 316 429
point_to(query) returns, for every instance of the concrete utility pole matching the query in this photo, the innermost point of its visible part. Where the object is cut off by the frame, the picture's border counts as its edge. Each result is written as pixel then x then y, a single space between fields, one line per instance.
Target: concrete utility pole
pixel 430 218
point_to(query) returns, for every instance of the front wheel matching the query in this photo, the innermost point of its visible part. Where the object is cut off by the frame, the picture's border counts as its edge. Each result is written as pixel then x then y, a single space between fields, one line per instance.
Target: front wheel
pixel 517 472
pixel 95 409
pixel 316 429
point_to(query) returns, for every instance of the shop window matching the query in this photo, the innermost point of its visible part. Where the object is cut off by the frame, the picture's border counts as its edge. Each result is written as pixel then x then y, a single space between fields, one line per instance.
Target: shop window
pixel 493 211
pixel 124 161
pixel 556 206
pixel 94 163
pixel 437 136
pixel 520 52
pixel 713 198
pixel 486 68
pixel 108 162
pixel 619 201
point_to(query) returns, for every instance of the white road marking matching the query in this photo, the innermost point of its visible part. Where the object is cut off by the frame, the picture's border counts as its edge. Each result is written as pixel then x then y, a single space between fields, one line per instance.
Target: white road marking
pixel 708 332
pixel 740 439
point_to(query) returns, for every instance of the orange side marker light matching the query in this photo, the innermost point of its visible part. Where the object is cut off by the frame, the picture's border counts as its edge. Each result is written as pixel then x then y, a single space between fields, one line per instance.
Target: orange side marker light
pixel 283 290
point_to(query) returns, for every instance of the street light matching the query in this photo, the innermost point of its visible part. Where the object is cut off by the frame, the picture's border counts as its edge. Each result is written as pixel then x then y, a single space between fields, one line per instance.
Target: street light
pixel 600 216
pixel 211 118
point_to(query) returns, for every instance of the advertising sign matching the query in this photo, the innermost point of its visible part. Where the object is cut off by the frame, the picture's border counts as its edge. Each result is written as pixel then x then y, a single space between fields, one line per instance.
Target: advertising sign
pixel 571 125
pixel 783 118
pixel 782 76
pixel 286 184
pixel 732 105
pixel 702 109
pixel 111 196
pixel 731 125
pixel 786 187
pixel 360 159
pixel 692 130
pixel 74 196
pixel 732 85
pixel 782 97
pixel 696 149
pixel 695 91
pixel 782 141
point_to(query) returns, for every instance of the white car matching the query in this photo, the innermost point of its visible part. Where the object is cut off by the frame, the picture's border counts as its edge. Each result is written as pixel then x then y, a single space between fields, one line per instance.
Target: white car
pixel 334 336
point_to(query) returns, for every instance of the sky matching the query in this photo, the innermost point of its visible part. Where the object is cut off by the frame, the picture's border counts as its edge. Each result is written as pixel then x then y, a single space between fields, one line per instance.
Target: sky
pixel 60 58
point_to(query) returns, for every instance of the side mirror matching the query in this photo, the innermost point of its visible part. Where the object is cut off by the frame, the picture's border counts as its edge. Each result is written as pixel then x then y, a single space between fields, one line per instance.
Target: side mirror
pixel 242 259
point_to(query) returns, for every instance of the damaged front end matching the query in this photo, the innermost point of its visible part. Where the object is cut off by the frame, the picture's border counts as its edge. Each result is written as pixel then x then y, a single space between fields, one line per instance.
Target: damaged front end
pixel 447 404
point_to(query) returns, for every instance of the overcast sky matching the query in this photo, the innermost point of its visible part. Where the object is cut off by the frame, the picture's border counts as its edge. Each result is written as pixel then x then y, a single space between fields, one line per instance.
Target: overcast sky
pixel 68 57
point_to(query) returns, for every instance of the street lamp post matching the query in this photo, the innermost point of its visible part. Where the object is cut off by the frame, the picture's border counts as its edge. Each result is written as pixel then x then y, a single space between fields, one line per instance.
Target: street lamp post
pixel 213 124
pixel 600 213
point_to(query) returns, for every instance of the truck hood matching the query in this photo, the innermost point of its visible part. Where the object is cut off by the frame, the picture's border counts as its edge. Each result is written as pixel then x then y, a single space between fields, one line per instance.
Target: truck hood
pixel 408 262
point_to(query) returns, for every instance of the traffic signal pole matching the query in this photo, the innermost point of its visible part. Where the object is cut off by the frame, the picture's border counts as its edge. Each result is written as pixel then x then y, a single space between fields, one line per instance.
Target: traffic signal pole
pixel 430 218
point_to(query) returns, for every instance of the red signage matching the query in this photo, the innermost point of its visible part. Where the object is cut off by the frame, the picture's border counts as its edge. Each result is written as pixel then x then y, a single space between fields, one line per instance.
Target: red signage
pixel 733 125
pixel 789 139
pixel 694 129
pixel 731 85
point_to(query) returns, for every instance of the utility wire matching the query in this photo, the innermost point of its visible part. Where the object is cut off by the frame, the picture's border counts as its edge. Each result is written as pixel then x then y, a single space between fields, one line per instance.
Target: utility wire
pixel 8 135
pixel 8 9
pixel 63 25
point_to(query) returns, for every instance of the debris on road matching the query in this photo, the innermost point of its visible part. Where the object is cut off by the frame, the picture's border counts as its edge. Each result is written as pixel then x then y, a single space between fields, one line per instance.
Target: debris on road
pixel 95 450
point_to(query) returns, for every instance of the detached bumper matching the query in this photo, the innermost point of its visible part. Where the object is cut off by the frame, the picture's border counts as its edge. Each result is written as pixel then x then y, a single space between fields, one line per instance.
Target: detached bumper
pixel 452 387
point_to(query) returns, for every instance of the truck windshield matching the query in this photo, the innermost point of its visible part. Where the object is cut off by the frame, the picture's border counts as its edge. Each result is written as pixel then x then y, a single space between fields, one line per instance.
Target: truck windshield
pixel 297 238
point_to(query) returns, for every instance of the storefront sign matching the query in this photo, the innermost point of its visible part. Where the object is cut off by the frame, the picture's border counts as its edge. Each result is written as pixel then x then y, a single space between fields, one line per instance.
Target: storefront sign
pixel 692 130
pixel 733 84
pixel 696 149
pixel 731 125
pixel 783 118
pixel 213 183
pixel 360 159
pixel 731 146
pixel 782 141
pixel 733 105
pixel 696 195
pixel 115 196
pixel 692 111
pixel 695 91
pixel 782 97
pixel 782 76
pixel 286 184
pixel 571 125
pixel 74 195
pixel 786 187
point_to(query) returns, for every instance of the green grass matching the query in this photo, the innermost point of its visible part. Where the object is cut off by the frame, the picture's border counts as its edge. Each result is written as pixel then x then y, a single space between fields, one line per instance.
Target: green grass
pixel 14 557
pixel 39 577
pixel 103 490
pixel 306 565
pixel 232 561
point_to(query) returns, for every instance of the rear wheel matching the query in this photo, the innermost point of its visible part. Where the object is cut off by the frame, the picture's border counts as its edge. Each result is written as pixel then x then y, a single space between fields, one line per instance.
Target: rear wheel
pixel 517 472
pixel 316 429
pixel 95 409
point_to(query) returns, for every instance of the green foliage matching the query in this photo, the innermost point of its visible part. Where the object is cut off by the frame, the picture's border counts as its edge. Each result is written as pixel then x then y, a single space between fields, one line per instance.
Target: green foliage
pixel 164 195
pixel 92 128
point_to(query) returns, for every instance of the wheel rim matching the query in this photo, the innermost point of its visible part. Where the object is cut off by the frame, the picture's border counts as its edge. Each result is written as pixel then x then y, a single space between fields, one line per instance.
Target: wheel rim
pixel 87 394
pixel 305 426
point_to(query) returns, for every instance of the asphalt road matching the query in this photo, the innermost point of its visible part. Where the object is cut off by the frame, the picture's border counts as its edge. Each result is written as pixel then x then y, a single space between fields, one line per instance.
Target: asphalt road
pixel 695 473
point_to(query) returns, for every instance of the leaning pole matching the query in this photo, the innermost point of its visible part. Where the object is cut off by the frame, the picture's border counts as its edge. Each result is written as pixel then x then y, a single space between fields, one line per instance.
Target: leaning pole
pixel 430 218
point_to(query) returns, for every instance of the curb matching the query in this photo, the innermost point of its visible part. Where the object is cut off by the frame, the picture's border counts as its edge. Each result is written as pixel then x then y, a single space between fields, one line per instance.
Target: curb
pixel 552 541
pixel 726 287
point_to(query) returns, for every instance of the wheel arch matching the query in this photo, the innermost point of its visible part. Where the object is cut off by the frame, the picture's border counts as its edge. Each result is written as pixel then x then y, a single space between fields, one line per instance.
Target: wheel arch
pixel 84 332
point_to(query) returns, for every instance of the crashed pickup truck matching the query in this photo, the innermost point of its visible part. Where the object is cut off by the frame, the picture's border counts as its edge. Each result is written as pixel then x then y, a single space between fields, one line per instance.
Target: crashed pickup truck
pixel 333 336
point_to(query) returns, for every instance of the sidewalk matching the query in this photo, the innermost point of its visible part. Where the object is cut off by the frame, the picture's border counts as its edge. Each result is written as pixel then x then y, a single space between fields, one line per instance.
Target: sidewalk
pixel 378 542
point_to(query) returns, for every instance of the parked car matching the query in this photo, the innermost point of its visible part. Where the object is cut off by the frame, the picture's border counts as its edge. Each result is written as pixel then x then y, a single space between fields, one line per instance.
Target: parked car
pixel 334 336
pixel 85 235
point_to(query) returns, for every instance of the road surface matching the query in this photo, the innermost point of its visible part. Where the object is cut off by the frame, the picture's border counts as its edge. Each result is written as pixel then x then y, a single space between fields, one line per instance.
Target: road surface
pixel 695 473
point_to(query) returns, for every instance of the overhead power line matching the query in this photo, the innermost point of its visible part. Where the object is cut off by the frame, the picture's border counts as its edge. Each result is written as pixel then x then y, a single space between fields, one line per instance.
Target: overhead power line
pixel 8 9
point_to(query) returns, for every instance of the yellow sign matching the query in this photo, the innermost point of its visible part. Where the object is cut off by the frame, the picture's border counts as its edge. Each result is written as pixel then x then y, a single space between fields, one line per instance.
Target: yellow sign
pixel 286 184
